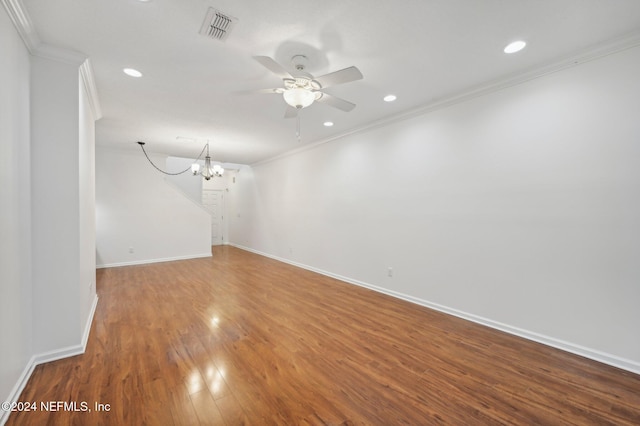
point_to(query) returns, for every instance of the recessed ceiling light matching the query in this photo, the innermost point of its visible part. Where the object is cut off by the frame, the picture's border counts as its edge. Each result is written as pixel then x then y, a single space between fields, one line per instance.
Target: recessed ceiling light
pixel 389 98
pixel 328 123
pixel 131 72
pixel 514 47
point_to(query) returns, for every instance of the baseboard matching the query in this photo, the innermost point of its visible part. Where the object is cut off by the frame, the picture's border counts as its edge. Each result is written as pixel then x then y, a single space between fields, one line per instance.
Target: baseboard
pixel 54 355
pixel 605 358
pixel 87 326
pixel 157 260
pixel 18 388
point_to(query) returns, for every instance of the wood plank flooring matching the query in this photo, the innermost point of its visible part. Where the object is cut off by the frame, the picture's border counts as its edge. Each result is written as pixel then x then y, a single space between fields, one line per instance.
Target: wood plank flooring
pixel 239 339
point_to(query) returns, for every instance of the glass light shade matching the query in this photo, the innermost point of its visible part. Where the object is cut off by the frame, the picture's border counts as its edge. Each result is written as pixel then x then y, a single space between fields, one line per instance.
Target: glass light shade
pixel 218 170
pixel 299 98
pixel 195 168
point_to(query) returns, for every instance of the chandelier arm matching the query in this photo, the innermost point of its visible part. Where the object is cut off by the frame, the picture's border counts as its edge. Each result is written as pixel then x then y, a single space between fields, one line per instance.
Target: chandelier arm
pixel 162 171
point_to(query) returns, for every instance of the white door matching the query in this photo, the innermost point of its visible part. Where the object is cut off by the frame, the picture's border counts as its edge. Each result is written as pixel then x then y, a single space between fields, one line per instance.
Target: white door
pixel 212 201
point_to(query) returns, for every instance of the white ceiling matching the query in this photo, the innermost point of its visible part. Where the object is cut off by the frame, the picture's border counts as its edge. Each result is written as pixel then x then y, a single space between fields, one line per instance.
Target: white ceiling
pixel 423 51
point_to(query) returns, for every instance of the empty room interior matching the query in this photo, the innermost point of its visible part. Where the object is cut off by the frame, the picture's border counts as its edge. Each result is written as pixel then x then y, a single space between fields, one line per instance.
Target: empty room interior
pixel 320 213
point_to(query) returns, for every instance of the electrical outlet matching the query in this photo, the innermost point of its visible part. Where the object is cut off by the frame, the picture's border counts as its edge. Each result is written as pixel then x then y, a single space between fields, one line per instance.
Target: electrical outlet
pixel 390 271
pixel 131 250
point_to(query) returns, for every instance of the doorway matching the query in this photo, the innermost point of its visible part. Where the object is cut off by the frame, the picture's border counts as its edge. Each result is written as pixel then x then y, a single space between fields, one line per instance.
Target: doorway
pixel 212 200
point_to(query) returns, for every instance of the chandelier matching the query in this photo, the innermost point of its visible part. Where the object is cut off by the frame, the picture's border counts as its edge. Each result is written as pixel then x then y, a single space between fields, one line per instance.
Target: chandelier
pixel 207 172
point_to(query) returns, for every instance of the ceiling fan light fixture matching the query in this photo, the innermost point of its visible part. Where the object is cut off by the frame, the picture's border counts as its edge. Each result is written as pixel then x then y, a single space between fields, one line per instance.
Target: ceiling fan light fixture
pixel 299 98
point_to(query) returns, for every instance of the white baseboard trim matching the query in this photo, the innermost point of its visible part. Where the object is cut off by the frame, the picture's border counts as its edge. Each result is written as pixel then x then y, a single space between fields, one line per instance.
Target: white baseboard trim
pixel 593 354
pixel 87 326
pixel 54 355
pixel 18 388
pixel 157 260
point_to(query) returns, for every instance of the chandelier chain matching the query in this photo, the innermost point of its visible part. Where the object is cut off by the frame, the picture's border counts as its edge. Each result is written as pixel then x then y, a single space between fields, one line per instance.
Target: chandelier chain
pixel 169 173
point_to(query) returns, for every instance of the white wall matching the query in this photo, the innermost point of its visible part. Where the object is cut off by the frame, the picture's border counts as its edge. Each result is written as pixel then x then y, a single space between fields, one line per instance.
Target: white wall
pixel 16 343
pixel 56 203
pixel 136 209
pixel 518 209
pixel 188 184
pixel 87 207
pixel 47 216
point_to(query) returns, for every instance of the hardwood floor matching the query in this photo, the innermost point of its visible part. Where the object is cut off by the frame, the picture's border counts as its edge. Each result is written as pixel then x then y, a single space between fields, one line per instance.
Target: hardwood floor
pixel 242 339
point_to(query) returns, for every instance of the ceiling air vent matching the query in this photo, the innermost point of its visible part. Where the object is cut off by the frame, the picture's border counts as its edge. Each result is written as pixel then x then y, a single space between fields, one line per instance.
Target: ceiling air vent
pixel 217 25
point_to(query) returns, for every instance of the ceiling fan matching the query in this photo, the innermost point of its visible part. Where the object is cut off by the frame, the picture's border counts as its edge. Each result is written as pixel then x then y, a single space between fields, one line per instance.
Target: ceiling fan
pixel 301 89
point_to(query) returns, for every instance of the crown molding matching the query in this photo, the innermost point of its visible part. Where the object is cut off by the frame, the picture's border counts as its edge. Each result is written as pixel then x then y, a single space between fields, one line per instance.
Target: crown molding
pixel 67 56
pixel 22 22
pixel 29 35
pixel 609 47
pixel 86 74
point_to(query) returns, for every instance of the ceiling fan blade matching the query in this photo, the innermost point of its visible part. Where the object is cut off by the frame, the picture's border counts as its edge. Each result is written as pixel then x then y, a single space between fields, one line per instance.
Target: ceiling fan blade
pixel 290 112
pixel 336 102
pixel 339 77
pixel 273 66
pixel 277 90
